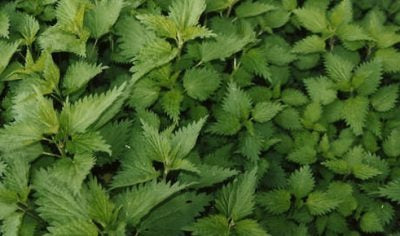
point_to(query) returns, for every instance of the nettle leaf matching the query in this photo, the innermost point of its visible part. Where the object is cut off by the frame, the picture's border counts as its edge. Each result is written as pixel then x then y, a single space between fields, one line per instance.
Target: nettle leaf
pixel 130 30
pixel 77 117
pixel 7 49
pixel 237 102
pixel 19 135
pixel 390 145
pixel 255 61
pixel 225 45
pixel 276 202
pixel 355 113
pixel 265 111
pixel 88 142
pixel 313 19
pixel 321 90
pixel 301 182
pixel 388 58
pixel 342 13
pixel 201 83
pixel 391 190
pixel 385 98
pixel 250 228
pixel 27 26
pixel 79 74
pixel 102 16
pixel 186 12
pixel 310 44
pixel 236 200
pixel 56 40
pixel 214 225
pixel 249 9
pixel 174 214
pixel 338 68
pixel 153 55
pixel 320 203
pixel 367 77
pixel 207 175
pixel 4 25
pixel 171 103
pixel 139 201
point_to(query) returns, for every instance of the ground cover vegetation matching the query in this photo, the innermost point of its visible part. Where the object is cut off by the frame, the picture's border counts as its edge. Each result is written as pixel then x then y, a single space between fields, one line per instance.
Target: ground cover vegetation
pixel 199 117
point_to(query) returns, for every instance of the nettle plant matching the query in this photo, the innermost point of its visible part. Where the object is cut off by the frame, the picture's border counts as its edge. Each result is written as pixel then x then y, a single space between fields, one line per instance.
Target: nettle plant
pixel 199 117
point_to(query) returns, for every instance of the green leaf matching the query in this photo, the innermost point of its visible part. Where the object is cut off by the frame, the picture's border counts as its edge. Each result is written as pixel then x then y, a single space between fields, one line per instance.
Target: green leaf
pixel 102 16
pixel 355 113
pixel 39 111
pixel 214 225
pixel 4 25
pixel 303 155
pixel 370 223
pixel 72 172
pixel 152 55
pixel 100 207
pixel 293 97
pixel 236 200
pixel 27 26
pixel 310 44
pixel 162 25
pixel 55 40
pixel 73 227
pixel 391 144
pixel 70 15
pixel 254 60
pixel 389 59
pixel 391 190
pixel 275 202
pixel 201 83
pixel 341 14
pixel 338 68
pixel 321 90
pixel 186 13
pixel 224 46
pixel 136 169
pixel 171 103
pixel 7 51
pixel 207 175
pixel 79 74
pixel 312 112
pixel 289 119
pixel 320 203
pixel 144 94
pixel 12 224
pixel 226 125
pixel 116 135
pixel 183 140
pixel 130 30
pixel 78 117
pixel 237 102
pixel 312 19
pixel 265 111
pixel 352 33
pixel 301 182
pixel 249 9
pixel 139 201
pixel 56 202
pixel 385 98
pixel 249 227
pixel 19 135
pixel 367 77
pixel 88 142
pixel 172 216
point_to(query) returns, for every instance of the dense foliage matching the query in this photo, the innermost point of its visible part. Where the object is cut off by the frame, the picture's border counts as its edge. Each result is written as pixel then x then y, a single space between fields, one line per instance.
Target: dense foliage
pixel 199 117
